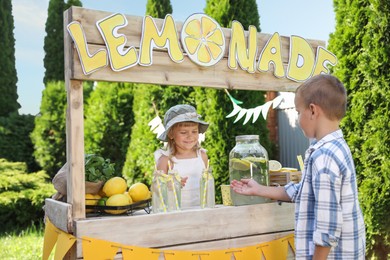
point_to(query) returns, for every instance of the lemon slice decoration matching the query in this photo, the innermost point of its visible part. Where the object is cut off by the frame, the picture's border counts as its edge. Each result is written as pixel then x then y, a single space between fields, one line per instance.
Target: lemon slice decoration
pixel 275 166
pixel 203 40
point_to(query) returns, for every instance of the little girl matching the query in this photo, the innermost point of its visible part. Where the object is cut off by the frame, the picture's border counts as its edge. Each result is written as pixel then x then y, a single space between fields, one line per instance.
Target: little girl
pixel 183 152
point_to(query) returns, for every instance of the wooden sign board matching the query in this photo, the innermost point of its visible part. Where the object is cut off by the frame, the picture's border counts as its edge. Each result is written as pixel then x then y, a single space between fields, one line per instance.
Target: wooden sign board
pixel 90 32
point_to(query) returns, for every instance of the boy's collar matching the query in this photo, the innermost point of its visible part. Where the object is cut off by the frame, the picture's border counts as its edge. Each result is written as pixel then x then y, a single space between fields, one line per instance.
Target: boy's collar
pixel 327 138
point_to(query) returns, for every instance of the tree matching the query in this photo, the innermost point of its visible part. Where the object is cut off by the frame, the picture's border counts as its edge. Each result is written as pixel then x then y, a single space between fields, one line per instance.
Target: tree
pixel 54 42
pixel 8 77
pixel 158 8
pixel 226 11
pixel 362 44
pixel 49 134
pixel 108 122
pixel 214 104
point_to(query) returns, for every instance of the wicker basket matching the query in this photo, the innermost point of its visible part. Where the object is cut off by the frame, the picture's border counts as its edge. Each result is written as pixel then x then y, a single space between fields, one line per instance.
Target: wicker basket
pixel 282 178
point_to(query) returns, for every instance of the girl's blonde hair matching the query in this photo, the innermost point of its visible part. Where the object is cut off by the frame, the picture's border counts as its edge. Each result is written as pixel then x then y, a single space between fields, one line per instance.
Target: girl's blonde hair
pixel 171 143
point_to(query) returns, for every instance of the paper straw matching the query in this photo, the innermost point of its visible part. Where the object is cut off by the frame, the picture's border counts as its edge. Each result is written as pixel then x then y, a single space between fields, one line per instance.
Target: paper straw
pixel 251 171
pixel 160 194
pixel 205 190
pixel 174 192
pixel 300 161
pixel 205 184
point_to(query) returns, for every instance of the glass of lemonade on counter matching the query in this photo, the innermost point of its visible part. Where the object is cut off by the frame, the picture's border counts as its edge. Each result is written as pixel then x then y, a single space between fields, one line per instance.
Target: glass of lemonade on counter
pixel 248 160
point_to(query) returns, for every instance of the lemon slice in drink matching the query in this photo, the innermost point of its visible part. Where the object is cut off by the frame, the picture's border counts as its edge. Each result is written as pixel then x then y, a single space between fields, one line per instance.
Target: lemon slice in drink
pixel 256 159
pixel 240 165
pixel 274 165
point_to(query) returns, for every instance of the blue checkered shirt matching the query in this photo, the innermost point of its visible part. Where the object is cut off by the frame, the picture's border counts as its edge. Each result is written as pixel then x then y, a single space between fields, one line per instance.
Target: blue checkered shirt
pixel 327 211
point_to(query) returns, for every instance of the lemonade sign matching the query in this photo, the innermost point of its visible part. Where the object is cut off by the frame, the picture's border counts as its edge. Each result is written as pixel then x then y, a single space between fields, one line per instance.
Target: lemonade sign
pixel 203 41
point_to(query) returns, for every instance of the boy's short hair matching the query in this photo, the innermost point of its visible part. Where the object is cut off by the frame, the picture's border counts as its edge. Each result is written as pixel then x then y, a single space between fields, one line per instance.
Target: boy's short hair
pixel 327 92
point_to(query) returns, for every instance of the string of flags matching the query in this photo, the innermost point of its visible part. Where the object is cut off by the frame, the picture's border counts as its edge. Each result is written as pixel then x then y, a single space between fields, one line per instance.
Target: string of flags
pixel 157 127
pixel 95 249
pixel 252 112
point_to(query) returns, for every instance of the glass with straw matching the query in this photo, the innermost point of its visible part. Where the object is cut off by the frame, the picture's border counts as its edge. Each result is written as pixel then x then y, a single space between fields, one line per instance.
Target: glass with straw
pixel 207 189
pixel 159 192
pixel 174 189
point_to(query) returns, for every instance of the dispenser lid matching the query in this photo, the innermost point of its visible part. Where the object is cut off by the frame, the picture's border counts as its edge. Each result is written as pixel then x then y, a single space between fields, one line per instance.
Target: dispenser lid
pixel 247 137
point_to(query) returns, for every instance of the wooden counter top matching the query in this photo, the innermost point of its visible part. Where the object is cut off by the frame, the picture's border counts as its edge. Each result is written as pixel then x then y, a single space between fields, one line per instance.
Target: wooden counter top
pixel 220 227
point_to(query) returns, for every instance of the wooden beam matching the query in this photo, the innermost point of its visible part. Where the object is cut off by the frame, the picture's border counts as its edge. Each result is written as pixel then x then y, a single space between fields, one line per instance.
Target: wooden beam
pixel 59 214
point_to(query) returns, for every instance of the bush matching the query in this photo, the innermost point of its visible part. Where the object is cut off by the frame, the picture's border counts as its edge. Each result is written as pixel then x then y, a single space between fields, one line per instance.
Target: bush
pixel 22 195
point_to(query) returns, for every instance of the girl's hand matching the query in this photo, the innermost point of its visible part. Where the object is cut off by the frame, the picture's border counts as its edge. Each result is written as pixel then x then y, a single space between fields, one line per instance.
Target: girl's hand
pixel 245 186
pixel 183 181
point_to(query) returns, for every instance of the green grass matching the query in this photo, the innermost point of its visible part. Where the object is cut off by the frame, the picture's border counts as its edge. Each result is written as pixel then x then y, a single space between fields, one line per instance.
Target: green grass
pixel 23 244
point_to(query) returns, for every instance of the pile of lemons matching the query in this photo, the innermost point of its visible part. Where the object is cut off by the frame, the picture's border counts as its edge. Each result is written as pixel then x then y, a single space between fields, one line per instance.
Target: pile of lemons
pixel 115 192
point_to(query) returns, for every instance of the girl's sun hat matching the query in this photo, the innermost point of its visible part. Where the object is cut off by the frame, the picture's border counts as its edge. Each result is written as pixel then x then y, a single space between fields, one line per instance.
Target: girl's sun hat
pixel 178 114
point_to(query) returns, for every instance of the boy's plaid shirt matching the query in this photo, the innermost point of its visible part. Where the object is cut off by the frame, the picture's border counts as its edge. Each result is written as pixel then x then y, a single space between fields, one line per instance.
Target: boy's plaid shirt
pixel 327 211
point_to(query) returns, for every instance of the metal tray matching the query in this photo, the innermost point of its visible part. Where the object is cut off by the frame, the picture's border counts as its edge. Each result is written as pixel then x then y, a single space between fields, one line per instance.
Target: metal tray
pixel 97 210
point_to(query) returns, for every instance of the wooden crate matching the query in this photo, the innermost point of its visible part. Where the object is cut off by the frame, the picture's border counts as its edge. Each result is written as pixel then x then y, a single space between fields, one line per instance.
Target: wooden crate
pixel 282 178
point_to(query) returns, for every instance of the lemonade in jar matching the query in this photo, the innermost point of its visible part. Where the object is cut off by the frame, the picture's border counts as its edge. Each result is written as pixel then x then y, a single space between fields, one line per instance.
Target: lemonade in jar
pixel 248 160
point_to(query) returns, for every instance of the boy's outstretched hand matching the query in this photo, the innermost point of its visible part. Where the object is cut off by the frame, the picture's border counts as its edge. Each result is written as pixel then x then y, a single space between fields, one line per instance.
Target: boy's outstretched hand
pixel 245 186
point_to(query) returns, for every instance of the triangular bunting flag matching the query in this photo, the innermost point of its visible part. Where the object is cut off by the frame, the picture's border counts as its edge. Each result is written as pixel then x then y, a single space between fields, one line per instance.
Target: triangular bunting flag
pixel 154 122
pixel 94 249
pixel 64 243
pixel 291 242
pixel 276 249
pixel 180 255
pixel 139 253
pixel 49 239
pixel 250 252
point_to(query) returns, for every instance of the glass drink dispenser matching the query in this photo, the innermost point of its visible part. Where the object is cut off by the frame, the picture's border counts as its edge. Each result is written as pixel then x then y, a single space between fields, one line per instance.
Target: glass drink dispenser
pixel 248 160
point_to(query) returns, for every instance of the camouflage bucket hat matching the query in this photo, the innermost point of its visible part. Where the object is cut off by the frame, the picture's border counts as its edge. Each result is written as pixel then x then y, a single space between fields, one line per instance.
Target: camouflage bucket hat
pixel 178 114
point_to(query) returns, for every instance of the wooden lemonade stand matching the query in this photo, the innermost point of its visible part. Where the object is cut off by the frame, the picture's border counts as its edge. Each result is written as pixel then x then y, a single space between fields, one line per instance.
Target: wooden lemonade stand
pixel 195 229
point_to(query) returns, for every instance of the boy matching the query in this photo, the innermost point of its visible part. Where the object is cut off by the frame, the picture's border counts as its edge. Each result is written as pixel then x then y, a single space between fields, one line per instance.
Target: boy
pixel 328 219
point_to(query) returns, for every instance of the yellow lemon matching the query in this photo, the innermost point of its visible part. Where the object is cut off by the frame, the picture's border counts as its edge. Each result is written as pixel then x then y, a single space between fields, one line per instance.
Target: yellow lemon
pixel 90 200
pixel 203 39
pixel 115 185
pixel 139 191
pixel 128 195
pixel 274 165
pixel 117 200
